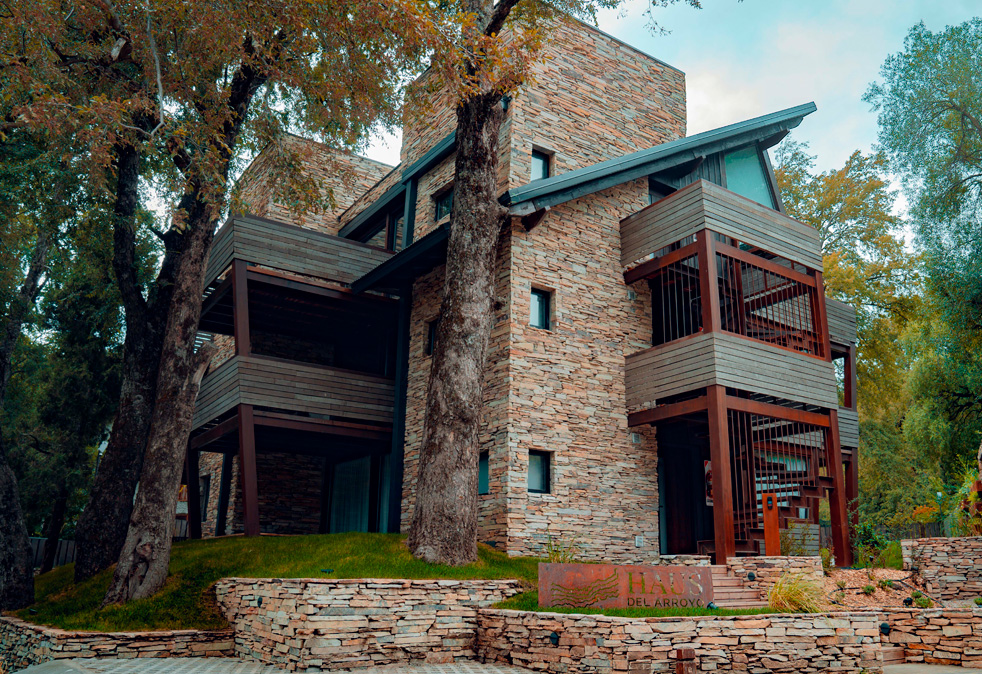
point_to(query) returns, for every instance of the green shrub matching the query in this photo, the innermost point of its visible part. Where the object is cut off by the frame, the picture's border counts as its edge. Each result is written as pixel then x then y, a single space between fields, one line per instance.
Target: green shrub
pixel 923 602
pixel 841 584
pixel 826 556
pixel 978 601
pixel 891 557
pixel 885 584
pixel 559 551
pixel 868 590
pixel 916 594
pixel 795 593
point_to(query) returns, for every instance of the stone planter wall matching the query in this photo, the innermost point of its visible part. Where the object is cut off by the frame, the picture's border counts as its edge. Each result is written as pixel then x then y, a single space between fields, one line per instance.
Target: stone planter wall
pixel 767 570
pixel 23 644
pixel 337 624
pixel 951 567
pixel 943 636
pixel 566 644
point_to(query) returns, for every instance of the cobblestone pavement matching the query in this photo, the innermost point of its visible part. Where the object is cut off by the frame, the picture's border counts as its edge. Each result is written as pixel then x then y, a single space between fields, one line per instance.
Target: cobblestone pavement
pixel 236 666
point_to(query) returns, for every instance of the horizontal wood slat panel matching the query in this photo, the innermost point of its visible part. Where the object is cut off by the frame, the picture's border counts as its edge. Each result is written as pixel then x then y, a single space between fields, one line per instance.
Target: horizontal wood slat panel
pixel 294 387
pixel 704 205
pixel 292 249
pixel 842 321
pixel 848 427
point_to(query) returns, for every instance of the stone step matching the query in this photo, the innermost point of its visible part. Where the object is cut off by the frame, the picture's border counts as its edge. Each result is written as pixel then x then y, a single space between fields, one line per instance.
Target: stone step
pixel 894 655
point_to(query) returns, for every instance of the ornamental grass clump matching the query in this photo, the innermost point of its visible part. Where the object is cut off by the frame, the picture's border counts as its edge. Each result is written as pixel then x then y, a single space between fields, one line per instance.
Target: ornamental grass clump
pixel 795 593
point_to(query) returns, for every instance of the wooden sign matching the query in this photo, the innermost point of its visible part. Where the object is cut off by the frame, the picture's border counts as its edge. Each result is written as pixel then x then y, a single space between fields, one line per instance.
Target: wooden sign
pixel 623 586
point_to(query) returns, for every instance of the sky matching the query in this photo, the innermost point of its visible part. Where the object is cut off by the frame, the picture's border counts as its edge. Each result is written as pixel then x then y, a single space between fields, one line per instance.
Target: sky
pixel 744 59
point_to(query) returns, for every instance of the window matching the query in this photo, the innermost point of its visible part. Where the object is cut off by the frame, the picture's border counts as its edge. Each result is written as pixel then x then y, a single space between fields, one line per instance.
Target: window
pixel 538 472
pixel 431 328
pixel 747 176
pixel 204 491
pixel 540 165
pixel 483 474
pixel 541 309
pixel 444 202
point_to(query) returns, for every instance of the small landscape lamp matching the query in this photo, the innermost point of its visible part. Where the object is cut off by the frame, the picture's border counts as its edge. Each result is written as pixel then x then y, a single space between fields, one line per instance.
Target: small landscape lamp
pixel 554 639
pixel 908 601
pixel 885 629
pixel 712 606
pixel 751 576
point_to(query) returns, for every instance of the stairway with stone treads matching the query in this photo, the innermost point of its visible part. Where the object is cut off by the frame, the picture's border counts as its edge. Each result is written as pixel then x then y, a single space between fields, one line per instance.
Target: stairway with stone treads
pixel 729 591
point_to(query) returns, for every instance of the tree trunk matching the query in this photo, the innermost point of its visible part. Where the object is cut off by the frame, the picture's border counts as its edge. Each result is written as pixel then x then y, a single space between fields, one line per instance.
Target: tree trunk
pixel 53 530
pixel 143 561
pixel 444 523
pixel 102 526
pixel 16 560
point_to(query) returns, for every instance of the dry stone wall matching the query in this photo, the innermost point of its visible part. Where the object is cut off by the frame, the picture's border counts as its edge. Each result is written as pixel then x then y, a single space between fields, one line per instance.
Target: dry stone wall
pixel 950 567
pixel 338 624
pixel 937 636
pixel 767 570
pixel 23 644
pixel 567 644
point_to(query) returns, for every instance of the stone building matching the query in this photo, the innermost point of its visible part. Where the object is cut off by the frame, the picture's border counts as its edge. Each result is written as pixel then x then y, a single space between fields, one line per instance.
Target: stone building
pixel 662 357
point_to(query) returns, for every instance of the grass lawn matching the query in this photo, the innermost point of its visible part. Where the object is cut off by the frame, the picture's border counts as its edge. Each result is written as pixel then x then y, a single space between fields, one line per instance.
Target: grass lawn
pixel 529 601
pixel 185 602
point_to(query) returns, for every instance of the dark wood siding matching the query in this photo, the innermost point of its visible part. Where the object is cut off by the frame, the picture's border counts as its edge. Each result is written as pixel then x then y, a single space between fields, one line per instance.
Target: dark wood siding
pixel 323 392
pixel 289 248
pixel 848 427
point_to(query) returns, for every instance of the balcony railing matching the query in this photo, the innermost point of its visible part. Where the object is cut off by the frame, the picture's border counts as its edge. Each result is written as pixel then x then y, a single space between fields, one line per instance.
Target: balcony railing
pixel 306 390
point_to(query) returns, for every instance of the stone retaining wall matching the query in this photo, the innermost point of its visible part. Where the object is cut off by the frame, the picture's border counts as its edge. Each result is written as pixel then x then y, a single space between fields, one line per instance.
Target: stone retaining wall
pixel 337 624
pixel 23 644
pixel 951 567
pixel 567 643
pixel 767 570
pixel 943 636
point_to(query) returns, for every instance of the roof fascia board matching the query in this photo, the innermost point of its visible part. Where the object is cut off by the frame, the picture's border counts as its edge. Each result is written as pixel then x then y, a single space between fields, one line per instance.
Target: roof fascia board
pixel 434 156
pixel 355 228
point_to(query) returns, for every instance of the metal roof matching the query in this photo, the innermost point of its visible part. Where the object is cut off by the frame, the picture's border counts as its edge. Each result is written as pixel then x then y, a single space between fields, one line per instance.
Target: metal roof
pixel 566 186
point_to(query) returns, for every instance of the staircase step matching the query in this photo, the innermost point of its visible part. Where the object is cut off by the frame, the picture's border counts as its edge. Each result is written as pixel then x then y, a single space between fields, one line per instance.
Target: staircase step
pixel 894 655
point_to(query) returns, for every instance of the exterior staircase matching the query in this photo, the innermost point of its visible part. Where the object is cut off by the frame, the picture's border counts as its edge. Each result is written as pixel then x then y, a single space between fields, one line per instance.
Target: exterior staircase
pixel 729 591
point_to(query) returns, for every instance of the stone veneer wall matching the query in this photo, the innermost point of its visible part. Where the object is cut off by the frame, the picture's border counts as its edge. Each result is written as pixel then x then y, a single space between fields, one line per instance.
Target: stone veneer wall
pixel 595 643
pixel 950 567
pixel 339 624
pixel 938 636
pixel 23 644
pixel 767 570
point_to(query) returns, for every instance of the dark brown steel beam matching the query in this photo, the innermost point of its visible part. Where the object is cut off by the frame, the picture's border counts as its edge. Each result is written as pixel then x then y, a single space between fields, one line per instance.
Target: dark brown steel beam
pixel 662 412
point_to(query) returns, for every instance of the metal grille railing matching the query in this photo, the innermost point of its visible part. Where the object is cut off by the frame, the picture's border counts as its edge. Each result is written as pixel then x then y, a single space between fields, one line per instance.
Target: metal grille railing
pixel 676 307
pixel 776 456
pixel 761 302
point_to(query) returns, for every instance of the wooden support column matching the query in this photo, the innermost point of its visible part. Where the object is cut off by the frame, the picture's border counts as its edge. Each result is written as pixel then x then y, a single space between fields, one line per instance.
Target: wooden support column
pixel 708 281
pixel 719 452
pixel 247 471
pixel 327 484
pixel 837 499
pixel 194 493
pixel 240 308
pixel 224 487
pixel 850 378
pixel 409 214
pixel 399 410
pixel 852 489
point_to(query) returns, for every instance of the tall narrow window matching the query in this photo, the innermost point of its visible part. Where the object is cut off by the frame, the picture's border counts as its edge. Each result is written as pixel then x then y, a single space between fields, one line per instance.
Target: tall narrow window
pixel 747 176
pixel 444 202
pixel 541 309
pixel 540 165
pixel 538 482
pixel 483 475
pixel 431 328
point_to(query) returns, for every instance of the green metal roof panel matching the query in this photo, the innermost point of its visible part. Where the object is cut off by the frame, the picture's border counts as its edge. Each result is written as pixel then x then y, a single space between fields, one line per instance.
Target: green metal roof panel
pixel 566 186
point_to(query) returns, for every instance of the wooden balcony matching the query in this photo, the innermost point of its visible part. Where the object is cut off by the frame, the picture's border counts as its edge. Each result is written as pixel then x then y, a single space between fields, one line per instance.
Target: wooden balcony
pixel 305 390
pixel 278 245
pixel 720 358
pixel 842 322
pixel 704 205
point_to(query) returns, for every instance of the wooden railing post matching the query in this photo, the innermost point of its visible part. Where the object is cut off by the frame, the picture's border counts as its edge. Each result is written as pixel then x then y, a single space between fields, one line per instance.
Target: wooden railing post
pixel 850 378
pixel 708 282
pixel 719 452
pixel 247 471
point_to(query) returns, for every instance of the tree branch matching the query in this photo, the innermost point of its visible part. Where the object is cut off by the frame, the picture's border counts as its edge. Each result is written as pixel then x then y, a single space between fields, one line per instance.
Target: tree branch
pixel 498 16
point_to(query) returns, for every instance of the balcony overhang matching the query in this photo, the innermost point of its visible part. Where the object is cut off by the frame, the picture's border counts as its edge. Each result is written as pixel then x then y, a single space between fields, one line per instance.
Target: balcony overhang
pixel 398 273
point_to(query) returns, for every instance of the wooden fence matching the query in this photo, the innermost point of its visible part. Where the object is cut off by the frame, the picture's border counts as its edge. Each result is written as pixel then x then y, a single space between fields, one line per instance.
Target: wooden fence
pixel 66 548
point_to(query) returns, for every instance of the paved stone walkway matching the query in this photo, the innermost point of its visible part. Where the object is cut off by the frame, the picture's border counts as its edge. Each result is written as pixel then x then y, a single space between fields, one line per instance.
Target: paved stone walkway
pixel 236 666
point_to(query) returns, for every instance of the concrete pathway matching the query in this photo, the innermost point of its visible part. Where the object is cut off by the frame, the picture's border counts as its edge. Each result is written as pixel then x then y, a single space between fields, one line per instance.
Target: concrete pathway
pixel 236 666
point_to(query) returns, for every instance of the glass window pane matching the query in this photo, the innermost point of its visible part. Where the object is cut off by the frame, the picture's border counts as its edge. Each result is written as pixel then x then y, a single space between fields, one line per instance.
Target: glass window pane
pixel 540 165
pixel 747 177
pixel 483 475
pixel 443 205
pixel 538 480
pixel 540 309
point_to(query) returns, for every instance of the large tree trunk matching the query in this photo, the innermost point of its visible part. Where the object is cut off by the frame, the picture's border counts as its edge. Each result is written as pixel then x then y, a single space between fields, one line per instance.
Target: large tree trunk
pixel 16 560
pixel 444 523
pixel 52 532
pixel 102 526
pixel 143 561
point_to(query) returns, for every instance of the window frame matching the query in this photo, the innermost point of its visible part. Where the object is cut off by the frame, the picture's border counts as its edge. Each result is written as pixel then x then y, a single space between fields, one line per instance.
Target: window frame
pixel 438 199
pixel 548 295
pixel 546 157
pixel 547 471
pixel 431 328
pixel 484 459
